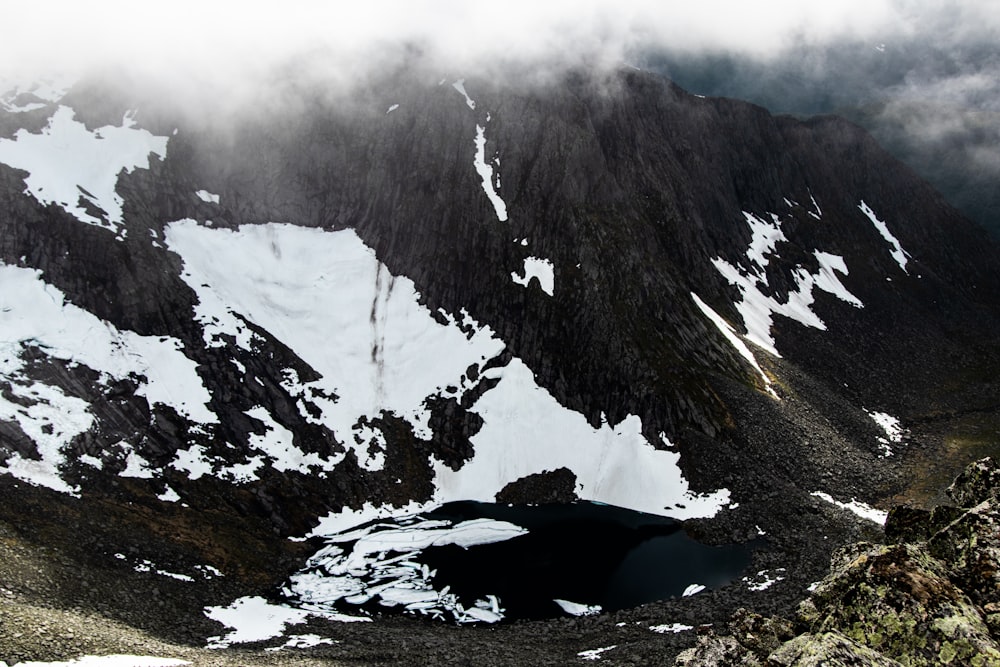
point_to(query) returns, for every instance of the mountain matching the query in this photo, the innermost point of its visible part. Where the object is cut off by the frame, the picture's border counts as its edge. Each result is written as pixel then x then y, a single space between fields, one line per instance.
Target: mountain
pixel 236 331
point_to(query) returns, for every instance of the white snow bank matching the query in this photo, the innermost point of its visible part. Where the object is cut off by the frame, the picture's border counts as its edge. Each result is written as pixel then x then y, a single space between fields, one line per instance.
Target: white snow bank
pixel 485 171
pixel 541 269
pixel 891 427
pixel 255 619
pixel 673 628
pixel 577 609
pixel 693 589
pixel 35 313
pixel 207 197
pixel 326 296
pixel 898 254
pixel 595 653
pixel 730 335
pixel 460 87
pixel 67 162
pixel 764 579
pixel 526 431
pixel 757 308
pixel 856 507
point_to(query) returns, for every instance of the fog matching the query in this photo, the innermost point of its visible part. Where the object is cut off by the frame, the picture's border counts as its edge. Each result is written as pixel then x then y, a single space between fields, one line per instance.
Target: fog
pixel 922 75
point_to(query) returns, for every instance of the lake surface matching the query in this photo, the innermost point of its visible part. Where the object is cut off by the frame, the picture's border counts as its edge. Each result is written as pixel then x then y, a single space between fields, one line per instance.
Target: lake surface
pixel 585 553
pixel 472 562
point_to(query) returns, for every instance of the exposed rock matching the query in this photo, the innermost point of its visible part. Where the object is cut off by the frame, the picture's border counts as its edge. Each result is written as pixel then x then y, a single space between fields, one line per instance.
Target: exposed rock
pixel 830 649
pixel 929 601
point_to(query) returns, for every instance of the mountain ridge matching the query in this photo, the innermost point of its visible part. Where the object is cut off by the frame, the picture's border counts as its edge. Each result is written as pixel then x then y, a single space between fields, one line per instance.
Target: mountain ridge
pixel 596 254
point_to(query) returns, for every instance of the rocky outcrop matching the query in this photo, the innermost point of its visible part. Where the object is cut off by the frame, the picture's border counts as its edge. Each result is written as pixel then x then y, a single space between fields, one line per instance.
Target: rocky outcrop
pixel 930 600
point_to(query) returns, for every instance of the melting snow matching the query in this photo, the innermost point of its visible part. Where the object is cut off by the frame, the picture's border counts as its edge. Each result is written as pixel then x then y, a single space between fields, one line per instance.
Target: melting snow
pixel 460 87
pixel 673 628
pixel 693 589
pixel 577 609
pixel 67 163
pixel 526 431
pixel 255 619
pixel 302 641
pixel 859 508
pixel 207 197
pixel 485 171
pixel 763 580
pixel 326 296
pixel 892 428
pixel 734 340
pixel 757 308
pixel 595 654
pixel 37 314
pixel 897 251
pixel 537 268
pixel 378 562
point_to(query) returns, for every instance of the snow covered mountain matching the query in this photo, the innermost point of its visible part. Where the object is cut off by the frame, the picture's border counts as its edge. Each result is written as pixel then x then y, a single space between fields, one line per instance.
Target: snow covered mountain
pixel 223 334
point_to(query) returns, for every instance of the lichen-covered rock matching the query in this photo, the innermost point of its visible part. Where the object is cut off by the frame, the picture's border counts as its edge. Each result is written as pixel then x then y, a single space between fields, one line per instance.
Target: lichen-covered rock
pixel 900 601
pixel 971 548
pixel 717 650
pixel 979 482
pixel 830 649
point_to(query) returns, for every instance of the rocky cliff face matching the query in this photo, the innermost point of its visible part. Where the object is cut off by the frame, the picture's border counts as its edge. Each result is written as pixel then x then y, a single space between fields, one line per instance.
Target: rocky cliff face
pixel 223 331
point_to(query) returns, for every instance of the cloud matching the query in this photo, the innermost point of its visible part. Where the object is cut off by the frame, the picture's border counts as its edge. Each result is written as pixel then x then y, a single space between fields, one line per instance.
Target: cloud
pixel 218 39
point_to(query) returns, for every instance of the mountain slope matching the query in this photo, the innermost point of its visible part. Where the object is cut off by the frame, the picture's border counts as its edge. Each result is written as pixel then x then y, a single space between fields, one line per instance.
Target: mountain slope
pixel 224 331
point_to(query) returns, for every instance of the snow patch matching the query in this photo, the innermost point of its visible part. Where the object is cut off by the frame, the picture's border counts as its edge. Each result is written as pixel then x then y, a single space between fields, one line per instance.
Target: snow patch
pixel 34 314
pixel 613 464
pixel 460 87
pixel 730 335
pixel 757 308
pixel 595 653
pixel 207 197
pixel 326 297
pixel 541 269
pixel 303 641
pixel 254 619
pixel 764 579
pixel 74 167
pixel 897 252
pixel 485 171
pixel 856 507
pixel 673 628
pixel 577 609
pixel 693 589
pixel 893 430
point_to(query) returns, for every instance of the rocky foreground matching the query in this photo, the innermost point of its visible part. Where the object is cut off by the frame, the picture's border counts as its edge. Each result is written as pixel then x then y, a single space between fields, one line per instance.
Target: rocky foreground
pixel 931 596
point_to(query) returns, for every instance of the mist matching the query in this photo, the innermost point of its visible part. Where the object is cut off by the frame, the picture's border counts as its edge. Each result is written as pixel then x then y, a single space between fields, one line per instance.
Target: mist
pixel 922 76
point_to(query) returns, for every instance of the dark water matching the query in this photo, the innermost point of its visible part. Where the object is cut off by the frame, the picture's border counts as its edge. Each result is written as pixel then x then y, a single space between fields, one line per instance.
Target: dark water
pixel 585 552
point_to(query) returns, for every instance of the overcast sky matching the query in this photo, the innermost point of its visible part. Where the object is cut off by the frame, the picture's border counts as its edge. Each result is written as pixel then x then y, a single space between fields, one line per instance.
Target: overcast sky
pixel 186 33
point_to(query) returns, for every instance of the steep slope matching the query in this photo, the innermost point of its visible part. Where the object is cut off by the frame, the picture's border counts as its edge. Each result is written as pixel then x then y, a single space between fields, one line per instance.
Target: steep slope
pixel 224 331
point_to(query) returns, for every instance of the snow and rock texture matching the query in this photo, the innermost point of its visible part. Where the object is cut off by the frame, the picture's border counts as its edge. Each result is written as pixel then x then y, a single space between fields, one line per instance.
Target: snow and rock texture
pixel 302 324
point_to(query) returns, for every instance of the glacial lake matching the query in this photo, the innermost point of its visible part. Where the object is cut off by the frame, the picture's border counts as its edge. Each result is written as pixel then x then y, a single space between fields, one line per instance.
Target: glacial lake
pixel 472 562
pixel 585 553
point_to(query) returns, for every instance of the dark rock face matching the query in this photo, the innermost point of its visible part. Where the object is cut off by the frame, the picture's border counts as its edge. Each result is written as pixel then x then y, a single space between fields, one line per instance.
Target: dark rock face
pixel 926 602
pixel 633 194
